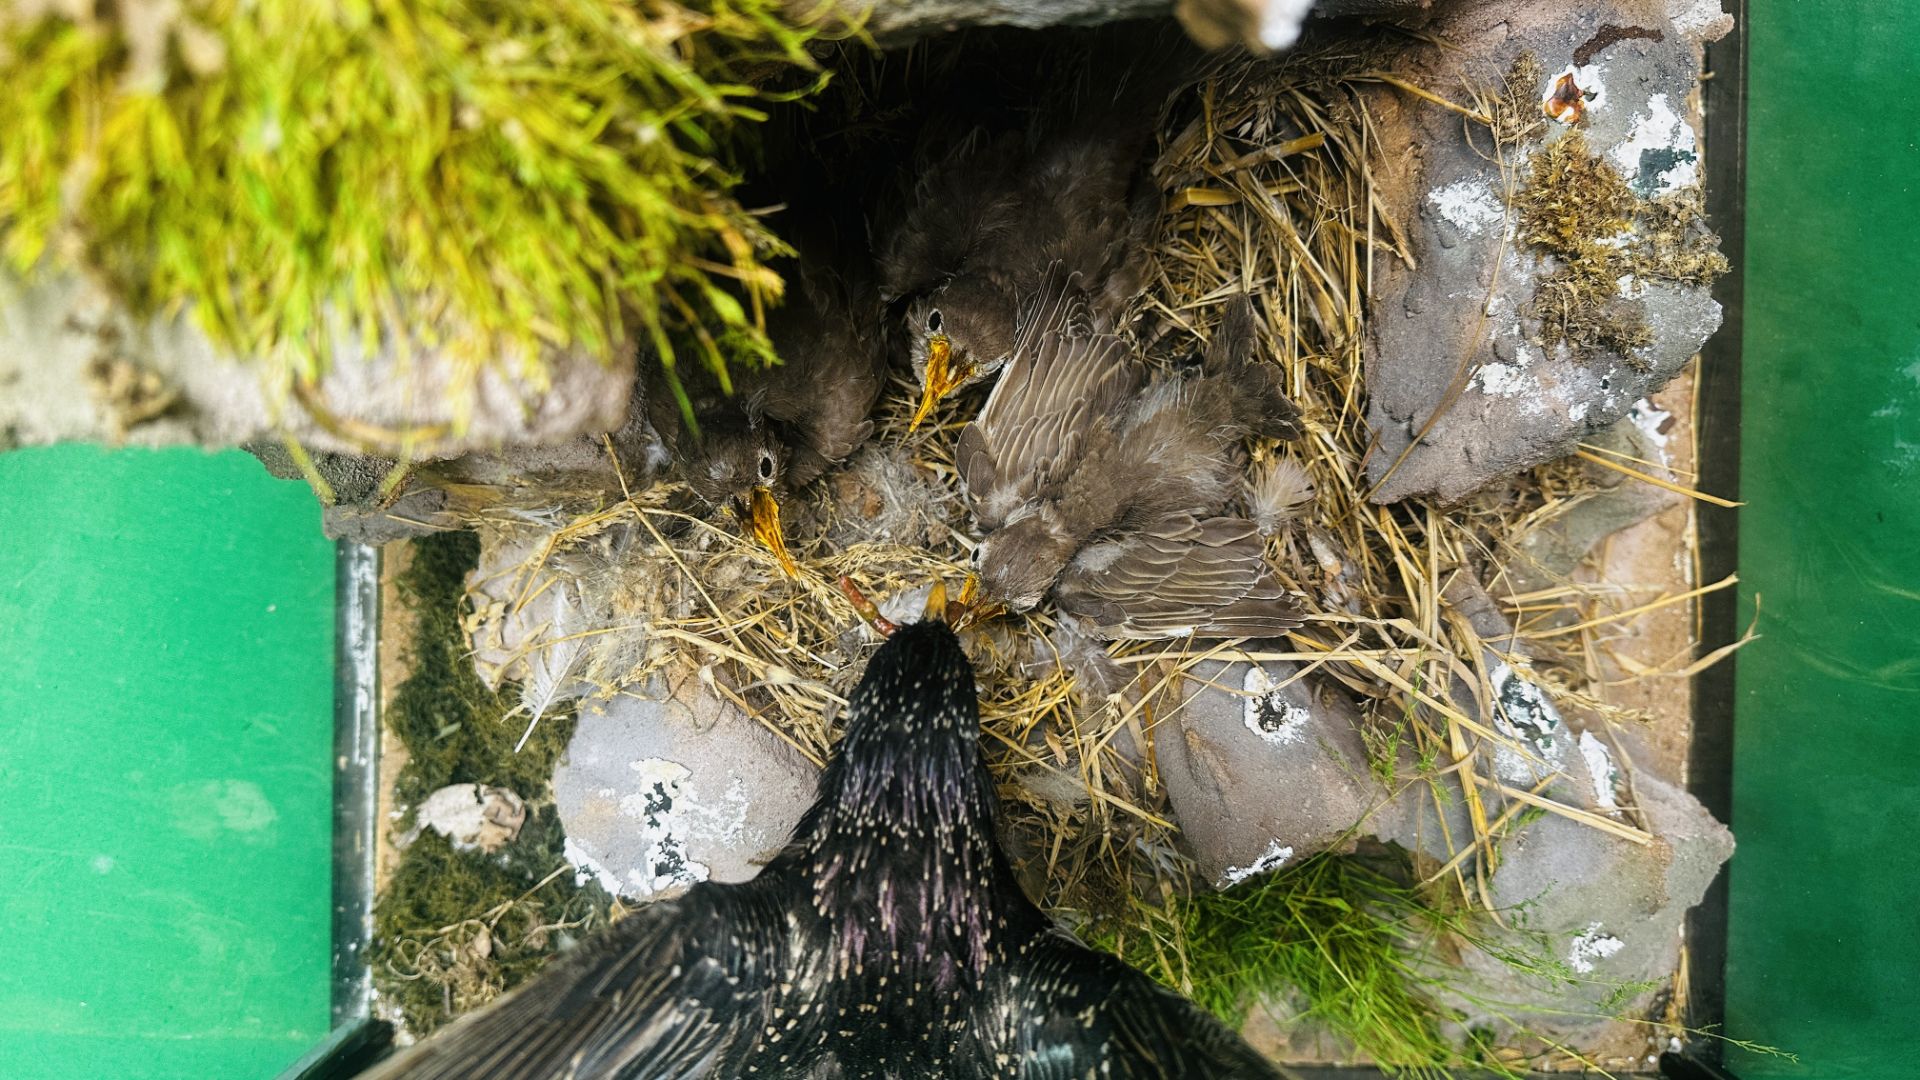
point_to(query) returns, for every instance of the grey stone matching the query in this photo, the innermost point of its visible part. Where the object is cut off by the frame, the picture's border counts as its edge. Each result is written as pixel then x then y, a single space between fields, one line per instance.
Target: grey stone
pixel 1266 26
pixel 1548 553
pixel 75 364
pixel 674 786
pixel 1452 338
pixel 358 512
pixel 432 496
pixel 1606 910
pixel 417 513
pixel 473 816
pixel 1261 770
pixel 1602 912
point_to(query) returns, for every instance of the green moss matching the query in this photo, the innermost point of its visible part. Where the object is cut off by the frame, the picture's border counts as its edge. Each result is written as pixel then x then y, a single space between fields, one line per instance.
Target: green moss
pixel 457 731
pixel 454 929
pixel 494 177
pixel 1577 209
pixel 1334 929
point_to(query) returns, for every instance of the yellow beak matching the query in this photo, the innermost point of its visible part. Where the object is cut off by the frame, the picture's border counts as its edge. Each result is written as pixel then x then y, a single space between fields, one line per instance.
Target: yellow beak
pixel 763 515
pixel 942 377
pixel 936 602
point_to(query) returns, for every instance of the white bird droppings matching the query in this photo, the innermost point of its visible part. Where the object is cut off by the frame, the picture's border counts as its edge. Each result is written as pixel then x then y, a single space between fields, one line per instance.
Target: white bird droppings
pixel 1524 712
pixel 1600 766
pixel 1592 944
pixel 1468 205
pixel 1273 858
pixel 1268 713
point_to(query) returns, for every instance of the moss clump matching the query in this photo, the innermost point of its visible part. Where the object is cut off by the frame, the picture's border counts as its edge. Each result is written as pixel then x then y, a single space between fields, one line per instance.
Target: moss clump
pixel 1578 210
pixel 454 929
pixel 1515 111
pixel 455 729
pixel 495 178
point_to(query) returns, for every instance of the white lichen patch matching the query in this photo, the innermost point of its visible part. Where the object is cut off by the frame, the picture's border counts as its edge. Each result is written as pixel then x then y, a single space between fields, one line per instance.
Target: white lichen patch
pixel 1600 766
pixel 1468 205
pixel 1702 20
pixel 1273 858
pixel 1590 945
pixel 1507 380
pixel 587 867
pixel 1523 712
pixel 471 816
pixel 1659 154
pixel 1578 411
pixel 664 821
pixel 1268 713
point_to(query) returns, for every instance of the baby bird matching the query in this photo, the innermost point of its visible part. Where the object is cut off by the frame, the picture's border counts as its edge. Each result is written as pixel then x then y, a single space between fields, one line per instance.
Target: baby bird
pixel 889 940
pixel 1008 235
pixel 1113 497
pixel 782 427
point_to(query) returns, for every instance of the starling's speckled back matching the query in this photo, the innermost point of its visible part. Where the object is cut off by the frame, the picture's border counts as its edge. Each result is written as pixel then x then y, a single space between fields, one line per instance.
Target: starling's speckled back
pixel 889 940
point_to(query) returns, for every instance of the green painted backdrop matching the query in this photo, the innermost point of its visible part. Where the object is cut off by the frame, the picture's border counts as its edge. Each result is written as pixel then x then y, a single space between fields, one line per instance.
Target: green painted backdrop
pixel 1824 932
pixel 165 788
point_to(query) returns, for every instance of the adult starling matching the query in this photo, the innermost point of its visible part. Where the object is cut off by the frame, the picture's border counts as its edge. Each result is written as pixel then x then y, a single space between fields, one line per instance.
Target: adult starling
pixel 1114 497
pixel 1007 232
pixel 890 939
pixel 781 427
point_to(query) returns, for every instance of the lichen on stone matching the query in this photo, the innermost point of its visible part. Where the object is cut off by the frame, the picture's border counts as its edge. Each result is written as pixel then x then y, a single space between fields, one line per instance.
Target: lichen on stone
pixel 1605 243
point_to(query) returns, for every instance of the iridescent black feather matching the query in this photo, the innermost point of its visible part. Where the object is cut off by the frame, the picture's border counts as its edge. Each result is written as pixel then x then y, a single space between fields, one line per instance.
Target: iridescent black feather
pixel 890 939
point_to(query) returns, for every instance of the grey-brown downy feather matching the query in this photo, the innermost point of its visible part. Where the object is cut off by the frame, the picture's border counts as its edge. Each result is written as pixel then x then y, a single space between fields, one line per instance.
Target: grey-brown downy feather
pixel 1113 494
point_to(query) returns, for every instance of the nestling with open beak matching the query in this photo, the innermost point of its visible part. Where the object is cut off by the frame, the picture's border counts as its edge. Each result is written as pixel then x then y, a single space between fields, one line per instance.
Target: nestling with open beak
pixel 782 427
pixel 889 940
pixel 1114 497
pixel 1007 235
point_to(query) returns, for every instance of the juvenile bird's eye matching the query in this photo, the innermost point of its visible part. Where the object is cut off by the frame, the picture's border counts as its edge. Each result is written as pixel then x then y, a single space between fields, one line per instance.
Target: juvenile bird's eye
pixel 766 466
pixel 933 321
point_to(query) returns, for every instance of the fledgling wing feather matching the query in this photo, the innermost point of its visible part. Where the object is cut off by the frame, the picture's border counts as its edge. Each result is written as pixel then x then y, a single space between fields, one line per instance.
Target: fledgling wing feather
pixel 1259 400
pixel 662 994
pixel 1089 1014
pixel 1035 425
pixel 1176 577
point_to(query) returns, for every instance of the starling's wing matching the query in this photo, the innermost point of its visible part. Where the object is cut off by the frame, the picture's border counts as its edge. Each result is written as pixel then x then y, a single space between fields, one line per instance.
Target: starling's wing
pixel 1076 1013
pixel 1180 576
pixel 662 994
pixel 1036 422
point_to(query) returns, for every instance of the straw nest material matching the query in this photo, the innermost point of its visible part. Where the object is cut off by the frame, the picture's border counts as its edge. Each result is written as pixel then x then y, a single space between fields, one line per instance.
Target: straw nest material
pixel 1265 169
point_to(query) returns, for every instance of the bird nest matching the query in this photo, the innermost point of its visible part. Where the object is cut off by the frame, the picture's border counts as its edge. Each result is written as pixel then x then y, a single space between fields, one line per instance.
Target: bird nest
pixel 1265 169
